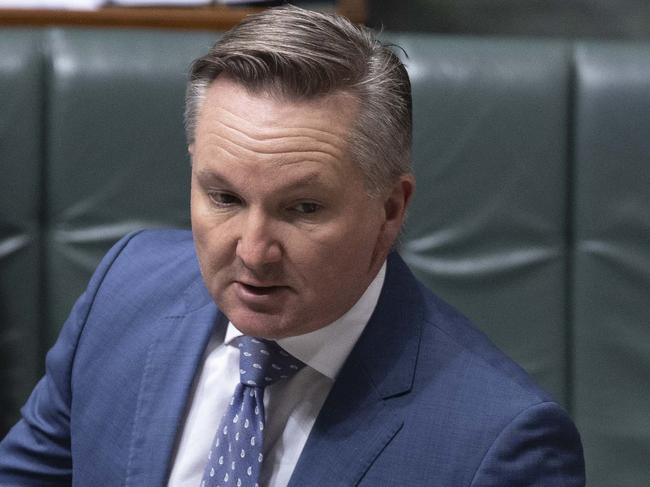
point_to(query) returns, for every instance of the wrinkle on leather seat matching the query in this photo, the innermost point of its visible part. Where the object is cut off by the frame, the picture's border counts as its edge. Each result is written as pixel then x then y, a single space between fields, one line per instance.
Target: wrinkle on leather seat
pixel 481 266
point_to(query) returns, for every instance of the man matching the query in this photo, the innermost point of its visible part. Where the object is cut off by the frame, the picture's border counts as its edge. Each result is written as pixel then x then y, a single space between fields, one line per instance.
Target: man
pixel 299 129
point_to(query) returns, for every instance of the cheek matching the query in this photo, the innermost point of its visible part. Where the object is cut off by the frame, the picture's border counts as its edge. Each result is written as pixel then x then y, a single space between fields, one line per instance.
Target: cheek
pixel 336 251
pixel 212 247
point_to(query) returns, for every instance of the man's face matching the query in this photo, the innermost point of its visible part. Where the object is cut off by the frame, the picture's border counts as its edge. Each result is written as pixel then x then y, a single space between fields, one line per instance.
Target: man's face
pixel 286 235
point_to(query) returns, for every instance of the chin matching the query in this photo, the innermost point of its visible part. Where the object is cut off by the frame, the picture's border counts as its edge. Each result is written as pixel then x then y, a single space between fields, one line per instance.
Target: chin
pixel 261 325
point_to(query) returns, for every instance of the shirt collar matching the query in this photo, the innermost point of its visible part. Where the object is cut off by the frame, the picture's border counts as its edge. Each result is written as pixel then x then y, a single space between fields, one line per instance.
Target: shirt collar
pixel 327 348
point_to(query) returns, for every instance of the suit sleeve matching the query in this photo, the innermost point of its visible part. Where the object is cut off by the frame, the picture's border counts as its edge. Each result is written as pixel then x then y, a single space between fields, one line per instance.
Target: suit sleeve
pixel 36 452
pixel 540 447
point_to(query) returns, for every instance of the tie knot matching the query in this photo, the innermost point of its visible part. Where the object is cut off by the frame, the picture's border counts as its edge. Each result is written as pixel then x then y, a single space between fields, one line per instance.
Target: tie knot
pixel 263 362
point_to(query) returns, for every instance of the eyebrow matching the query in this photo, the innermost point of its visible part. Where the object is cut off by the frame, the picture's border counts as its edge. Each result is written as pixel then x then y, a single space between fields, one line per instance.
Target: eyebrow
pixel 209 177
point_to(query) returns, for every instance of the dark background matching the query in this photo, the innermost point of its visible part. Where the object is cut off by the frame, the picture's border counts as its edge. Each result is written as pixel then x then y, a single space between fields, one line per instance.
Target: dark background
pixel 610 19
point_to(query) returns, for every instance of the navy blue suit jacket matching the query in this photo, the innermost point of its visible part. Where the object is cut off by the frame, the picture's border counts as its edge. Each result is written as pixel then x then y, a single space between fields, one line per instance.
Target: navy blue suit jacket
pixel 423 400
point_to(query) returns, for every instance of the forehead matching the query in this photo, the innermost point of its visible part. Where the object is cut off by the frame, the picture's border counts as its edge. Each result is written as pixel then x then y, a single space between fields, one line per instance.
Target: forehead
pixel 237 128
pixel 225 98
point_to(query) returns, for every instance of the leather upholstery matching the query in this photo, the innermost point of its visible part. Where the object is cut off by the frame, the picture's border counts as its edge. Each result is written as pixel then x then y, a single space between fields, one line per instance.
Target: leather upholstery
pixel 612 260
pixel 21 192
pixel 530 215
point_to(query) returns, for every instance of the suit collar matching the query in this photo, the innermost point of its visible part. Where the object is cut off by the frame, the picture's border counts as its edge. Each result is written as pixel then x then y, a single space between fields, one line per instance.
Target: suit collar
pixel 173 358
pixel 357 420
pixel 197 296
pixel 389 346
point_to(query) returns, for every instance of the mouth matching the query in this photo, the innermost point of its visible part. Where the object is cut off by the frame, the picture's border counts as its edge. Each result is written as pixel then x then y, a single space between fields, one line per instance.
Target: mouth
pixel 259 290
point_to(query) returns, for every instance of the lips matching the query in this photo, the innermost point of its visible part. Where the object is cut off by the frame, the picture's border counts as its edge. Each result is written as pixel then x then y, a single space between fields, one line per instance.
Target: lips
pixel 258 293
pixel 260 290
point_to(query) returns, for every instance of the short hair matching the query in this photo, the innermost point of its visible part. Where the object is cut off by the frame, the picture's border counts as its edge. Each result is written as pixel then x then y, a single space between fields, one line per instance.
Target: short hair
pixel 300 54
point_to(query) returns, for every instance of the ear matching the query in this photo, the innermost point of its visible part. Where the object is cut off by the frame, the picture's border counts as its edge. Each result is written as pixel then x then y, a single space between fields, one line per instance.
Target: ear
pixel 398 200
pixel 395 204
pixel 190 149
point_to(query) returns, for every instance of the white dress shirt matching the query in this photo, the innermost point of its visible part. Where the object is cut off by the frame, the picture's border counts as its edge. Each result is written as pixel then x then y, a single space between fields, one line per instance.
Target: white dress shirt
pixel 291 406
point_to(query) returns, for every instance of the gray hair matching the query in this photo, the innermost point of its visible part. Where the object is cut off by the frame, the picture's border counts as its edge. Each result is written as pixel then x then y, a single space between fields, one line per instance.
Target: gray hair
pixel 300 54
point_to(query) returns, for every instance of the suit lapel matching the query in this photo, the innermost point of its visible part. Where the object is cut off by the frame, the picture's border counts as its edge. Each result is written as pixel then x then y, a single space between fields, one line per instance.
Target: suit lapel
pixel 358 419
pixel 173 358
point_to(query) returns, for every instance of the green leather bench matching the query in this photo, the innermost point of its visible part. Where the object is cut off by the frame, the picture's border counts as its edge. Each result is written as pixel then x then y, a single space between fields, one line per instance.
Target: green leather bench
pixel 532 210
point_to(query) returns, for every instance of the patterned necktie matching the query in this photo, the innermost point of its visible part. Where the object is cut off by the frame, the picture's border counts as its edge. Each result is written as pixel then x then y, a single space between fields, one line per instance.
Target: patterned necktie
pixel 236 455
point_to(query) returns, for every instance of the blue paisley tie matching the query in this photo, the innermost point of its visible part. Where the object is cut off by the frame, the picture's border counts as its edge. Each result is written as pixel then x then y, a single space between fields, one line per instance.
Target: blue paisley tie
pixel 236 456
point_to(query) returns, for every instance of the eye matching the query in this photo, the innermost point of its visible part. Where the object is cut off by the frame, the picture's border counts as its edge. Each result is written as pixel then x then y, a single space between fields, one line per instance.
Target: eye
pixel 221 199
pixel 307 207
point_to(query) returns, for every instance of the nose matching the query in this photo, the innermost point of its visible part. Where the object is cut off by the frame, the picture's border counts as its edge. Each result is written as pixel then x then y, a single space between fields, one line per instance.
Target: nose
pixel 258 246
